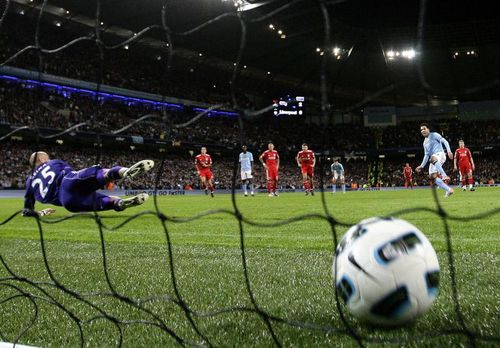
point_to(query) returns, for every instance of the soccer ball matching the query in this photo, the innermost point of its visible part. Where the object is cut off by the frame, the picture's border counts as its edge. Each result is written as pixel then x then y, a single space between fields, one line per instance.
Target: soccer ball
pixel 386 271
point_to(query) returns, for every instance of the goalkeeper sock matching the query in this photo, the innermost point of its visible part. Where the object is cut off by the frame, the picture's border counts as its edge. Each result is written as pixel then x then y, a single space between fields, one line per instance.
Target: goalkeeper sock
pixel 115 173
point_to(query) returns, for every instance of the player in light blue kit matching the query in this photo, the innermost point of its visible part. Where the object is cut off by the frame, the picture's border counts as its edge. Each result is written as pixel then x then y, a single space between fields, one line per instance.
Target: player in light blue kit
pixel 246 167
pixel 55 182
pixel 433 151
pixel 337 170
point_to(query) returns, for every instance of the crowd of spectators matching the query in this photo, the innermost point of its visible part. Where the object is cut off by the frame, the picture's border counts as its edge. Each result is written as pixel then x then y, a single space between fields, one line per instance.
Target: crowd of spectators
pixel 23 105
pixel 138 67
pixel 144 70
pixel 477 132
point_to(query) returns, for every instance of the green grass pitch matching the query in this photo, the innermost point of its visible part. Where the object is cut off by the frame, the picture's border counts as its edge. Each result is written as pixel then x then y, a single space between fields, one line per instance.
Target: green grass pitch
pixel 289 268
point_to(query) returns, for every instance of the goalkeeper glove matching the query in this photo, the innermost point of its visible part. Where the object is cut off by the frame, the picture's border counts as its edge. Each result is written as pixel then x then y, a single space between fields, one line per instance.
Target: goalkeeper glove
pixel 44 212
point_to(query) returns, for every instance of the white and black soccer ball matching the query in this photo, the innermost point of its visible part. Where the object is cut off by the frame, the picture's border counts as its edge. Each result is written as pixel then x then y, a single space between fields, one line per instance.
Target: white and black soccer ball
pixel 386 271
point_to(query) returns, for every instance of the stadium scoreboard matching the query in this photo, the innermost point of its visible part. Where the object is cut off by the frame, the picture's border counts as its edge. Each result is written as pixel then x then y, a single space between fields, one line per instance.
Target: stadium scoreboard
pixel 288 106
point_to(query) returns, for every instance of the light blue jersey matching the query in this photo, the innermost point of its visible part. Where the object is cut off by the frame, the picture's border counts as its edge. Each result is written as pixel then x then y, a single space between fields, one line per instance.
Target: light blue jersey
pixel 433 144
pixel 337 168
pixel 246 160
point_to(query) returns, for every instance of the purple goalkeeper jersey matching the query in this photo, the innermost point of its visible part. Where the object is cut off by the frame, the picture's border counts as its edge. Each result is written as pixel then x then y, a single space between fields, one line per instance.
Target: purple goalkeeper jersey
pixel 44 183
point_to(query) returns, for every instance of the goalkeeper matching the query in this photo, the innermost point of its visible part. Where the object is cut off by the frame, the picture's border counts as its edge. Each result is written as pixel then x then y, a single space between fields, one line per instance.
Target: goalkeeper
pixel 55 182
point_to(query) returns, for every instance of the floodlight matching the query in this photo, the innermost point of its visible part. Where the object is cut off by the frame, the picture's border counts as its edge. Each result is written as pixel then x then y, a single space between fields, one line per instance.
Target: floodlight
pixel 410 54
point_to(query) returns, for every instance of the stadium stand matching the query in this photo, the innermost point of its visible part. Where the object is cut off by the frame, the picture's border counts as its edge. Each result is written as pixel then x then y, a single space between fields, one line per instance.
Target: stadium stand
pixel 22 103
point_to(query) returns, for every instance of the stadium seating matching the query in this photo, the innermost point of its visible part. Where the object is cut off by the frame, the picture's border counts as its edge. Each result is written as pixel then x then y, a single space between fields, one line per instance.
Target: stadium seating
pixel 22 105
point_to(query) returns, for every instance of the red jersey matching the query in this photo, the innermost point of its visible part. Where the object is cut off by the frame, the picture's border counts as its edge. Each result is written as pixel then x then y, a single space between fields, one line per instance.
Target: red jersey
pixel 203 162
pixel 407 171
pixel 463 156
pixel 306 158
pixel 270 157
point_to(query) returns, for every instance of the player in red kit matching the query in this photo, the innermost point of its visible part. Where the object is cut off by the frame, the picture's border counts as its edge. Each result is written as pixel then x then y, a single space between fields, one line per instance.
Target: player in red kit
pixel 465 165
pixel 203 164
pixel 306 160
pixel 408 175
pixel 271 162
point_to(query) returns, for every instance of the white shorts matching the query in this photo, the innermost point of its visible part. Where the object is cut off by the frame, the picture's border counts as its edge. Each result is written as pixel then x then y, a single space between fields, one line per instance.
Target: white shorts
pixel 247 174
pixel 441 156
pixel 337 176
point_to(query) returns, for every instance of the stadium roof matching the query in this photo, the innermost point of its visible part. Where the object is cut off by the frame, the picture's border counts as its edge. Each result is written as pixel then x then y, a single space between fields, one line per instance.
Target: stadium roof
pixel 364 32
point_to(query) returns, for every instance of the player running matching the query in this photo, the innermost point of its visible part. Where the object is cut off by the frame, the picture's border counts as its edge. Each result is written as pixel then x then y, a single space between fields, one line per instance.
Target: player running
pixel 465 165
pixel 306 160
pixel 56 183
pixel 246 168
pixel 203 164
pixel 433 151
pixel 270 159
pixel 408 175
pixel 337 170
